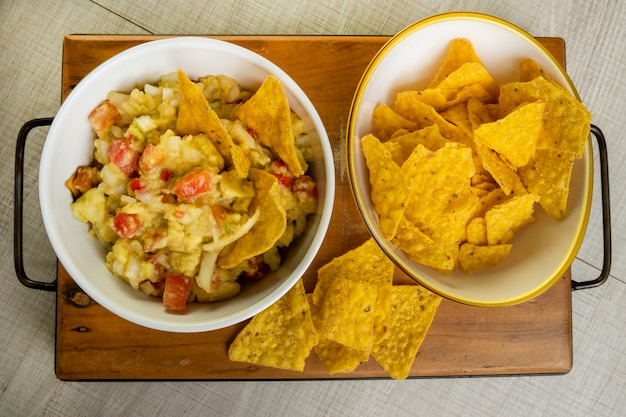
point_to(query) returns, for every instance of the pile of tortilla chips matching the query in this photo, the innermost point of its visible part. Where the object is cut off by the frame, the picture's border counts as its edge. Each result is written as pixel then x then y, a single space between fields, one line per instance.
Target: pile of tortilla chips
pixel 456 168
pixel 354 311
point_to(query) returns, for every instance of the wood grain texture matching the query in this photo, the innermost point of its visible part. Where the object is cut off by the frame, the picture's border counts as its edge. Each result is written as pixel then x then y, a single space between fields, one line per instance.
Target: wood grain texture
pixel 93 344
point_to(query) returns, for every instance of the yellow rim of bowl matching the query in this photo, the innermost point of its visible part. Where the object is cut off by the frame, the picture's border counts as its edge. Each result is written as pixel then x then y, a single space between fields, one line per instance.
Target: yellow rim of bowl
pixel 386 246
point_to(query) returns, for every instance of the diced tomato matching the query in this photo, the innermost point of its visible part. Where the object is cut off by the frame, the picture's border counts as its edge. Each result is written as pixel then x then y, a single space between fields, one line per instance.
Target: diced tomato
pixel 281 172
pixel 135 184
pixel 126 225
pixel 285 181
pixel 124 156
pixel 251 132
pixel 103 117
pixel 166 174
pixel 279 167
pixel 193 184
pixel 176 292
pixel 151 157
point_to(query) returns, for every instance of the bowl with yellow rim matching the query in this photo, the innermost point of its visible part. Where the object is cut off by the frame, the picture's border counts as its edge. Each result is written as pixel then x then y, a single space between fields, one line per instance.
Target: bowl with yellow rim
pixel 541 252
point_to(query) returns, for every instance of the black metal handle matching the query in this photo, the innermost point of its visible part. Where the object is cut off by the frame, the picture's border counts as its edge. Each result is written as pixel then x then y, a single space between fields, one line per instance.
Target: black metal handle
pixel 606 215
pixel 18 257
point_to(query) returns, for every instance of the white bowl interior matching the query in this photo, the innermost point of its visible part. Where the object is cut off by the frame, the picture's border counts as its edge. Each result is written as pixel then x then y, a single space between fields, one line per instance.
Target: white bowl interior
pixel 541 252
pixel 70 144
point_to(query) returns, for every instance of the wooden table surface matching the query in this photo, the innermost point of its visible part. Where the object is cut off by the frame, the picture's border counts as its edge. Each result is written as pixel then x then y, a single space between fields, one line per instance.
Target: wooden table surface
pixel 93 344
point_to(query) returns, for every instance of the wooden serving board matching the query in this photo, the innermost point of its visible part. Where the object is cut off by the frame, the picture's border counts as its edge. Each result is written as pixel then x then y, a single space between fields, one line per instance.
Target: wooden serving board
pixel 93 344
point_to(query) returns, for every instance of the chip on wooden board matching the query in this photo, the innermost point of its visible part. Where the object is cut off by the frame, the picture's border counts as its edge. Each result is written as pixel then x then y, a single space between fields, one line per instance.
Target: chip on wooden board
pixel 280 336
pixel 365 263
pixel 338 358
pixel 413 309
pixel 347 313
pixel 339 324
pixel 335 357
pixel 346 352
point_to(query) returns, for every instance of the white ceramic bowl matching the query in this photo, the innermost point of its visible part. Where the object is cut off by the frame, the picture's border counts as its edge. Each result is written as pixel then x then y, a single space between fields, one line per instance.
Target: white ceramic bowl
pixel 70 144
pixel 543 251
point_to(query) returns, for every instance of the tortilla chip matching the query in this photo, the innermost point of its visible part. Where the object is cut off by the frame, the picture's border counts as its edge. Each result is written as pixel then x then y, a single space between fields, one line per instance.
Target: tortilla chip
pixel 505 219
pixel 421 248
pixel 267 112
pixel 347 313
pixel 391 190
pixel 460 51
pixel 458 115
pixel 409 106
pixel 474 257
pixel 477 231
pixel 505 176
pixel 385 122
pixel 548 175
pixel 479 113
pixel 196 116
pixel 267 230
pixel 334 356
pixel 280 336
pixel 338 358
pixel 401 147
pixel 366 263
pixel 515 136
pixel 490 200
pixel 530 69
pixel 433 97
pixel 442 184
pixel 566 123
pixel 450 229
pixel 413 310
pixel 462 84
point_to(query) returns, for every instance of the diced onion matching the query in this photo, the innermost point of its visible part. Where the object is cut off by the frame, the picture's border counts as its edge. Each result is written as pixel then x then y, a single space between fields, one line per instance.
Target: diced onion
pixel 241 135
pixel 207 268
pixel 151 89
pixel 227 240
